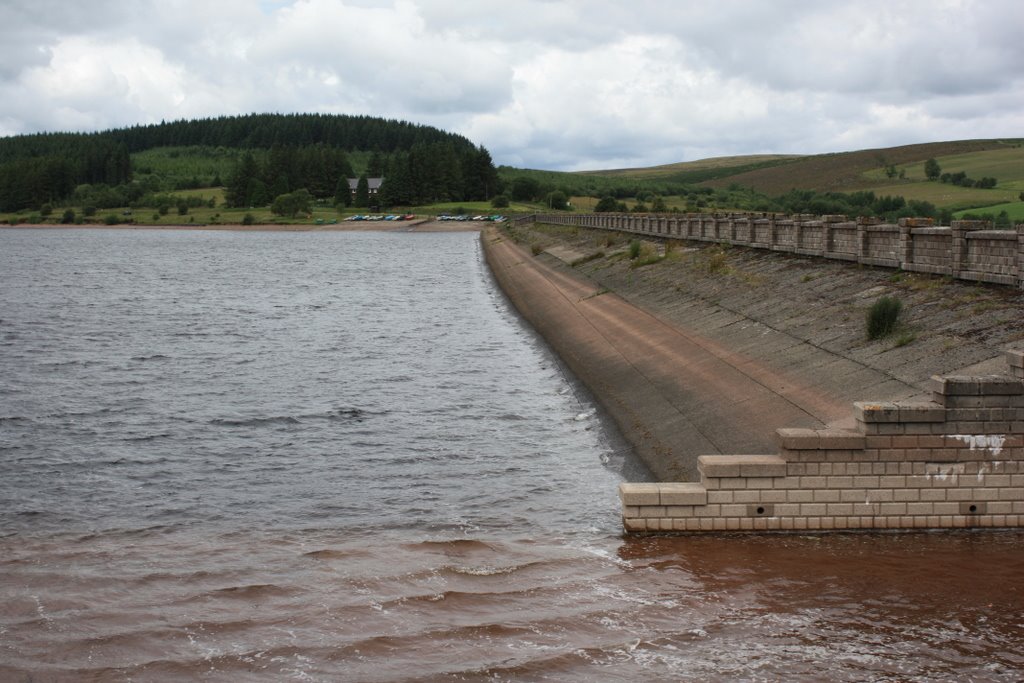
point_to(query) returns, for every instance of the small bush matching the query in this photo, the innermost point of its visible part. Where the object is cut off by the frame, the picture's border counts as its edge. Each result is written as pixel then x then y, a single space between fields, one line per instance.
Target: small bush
pixel 68 217
pixel 111 219
pixel 248 219
pixel 536 248
pixel 882 317
pixel 634 249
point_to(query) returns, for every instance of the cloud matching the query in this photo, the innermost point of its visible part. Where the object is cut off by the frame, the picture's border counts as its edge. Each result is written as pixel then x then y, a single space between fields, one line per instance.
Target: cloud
pixel 550 84
pixel 379 59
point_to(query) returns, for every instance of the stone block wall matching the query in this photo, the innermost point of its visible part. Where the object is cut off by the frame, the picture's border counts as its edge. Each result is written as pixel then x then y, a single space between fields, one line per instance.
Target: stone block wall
pixel 954 461
pixel 966 250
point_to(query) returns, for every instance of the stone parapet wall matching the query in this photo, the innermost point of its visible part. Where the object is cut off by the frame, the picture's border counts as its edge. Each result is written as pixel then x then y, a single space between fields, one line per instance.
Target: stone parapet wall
pixel 954 461
pixel 967 250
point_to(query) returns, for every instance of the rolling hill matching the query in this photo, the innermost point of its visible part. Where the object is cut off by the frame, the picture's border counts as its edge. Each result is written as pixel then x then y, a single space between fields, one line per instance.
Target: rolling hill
pixel 892 171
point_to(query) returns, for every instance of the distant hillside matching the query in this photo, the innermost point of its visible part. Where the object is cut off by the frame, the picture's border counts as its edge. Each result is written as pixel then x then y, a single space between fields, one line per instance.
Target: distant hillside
pixel 703 170
pixel 844 171
pixel 885 172
pixel 426 162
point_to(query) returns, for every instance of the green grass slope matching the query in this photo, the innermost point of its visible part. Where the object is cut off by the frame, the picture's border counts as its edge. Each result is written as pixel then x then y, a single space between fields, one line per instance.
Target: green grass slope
pixel 845 171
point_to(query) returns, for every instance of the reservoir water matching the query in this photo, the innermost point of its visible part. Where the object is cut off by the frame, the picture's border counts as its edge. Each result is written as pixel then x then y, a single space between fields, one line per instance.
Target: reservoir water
pixel 324 456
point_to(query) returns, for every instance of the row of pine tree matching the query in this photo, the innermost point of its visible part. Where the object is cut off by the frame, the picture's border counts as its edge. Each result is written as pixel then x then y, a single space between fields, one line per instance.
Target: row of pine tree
pixel 287 152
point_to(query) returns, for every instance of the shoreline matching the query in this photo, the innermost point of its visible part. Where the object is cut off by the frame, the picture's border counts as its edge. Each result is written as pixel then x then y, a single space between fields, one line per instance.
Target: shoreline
pixel 423 225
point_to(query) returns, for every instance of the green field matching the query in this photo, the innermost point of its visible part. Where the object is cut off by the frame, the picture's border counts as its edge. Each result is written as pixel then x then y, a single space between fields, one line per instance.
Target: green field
pixel 1005 165
pixel 865 170
pixel 1014 210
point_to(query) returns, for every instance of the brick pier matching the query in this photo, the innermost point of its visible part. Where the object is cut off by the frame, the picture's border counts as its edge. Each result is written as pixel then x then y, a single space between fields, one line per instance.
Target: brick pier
pixel 954 461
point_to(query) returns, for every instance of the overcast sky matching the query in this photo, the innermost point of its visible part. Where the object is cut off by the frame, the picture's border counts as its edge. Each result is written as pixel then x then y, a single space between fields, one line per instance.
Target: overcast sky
pixel 554 84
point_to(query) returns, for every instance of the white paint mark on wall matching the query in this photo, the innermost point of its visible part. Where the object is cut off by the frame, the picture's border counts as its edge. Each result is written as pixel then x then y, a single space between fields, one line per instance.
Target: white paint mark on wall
pixel 989 442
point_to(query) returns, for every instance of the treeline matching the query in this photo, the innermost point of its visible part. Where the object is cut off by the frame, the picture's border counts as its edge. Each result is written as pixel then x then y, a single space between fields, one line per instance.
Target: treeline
pixel 48 167
pixel 853 204
pixel 426 173
pixel 263 131
pixel 439 172
pixel 322 171
pixel 252 131
pixel 960 179
pixel 53 174
pixel 856 204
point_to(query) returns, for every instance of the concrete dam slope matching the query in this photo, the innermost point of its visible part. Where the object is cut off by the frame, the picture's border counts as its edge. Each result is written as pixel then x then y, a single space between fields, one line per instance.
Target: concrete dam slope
pixel 675 394
pixel 741 379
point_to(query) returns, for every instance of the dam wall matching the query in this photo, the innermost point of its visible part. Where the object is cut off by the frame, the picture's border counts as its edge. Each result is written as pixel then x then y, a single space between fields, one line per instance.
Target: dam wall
pixel 704 413
pixel 955 461
pixel 967 250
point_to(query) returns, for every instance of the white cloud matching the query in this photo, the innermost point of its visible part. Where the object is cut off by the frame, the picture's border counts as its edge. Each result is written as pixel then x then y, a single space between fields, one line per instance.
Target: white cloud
pixel 551 84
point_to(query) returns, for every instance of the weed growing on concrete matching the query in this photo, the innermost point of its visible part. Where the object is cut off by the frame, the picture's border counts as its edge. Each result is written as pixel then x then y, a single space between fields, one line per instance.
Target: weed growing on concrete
pixel 983 306
pixel 718 262
pixel 646 254
pixel 536 248
pixel 882 317
pixel 905 338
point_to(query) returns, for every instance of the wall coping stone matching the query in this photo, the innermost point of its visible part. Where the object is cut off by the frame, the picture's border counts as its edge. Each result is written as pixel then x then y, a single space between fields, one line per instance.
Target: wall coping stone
pixel 871 412
pixel 992 235
pixel 803 439
pixel 987 385
pixel 728 466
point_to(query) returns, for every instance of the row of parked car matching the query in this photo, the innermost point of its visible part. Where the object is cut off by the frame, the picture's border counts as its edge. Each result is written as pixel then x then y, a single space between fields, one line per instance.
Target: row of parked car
pixel 496 218
pixel 381 217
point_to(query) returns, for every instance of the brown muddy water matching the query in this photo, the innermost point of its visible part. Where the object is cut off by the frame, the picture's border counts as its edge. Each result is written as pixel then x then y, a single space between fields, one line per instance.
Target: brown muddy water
pixel 341 457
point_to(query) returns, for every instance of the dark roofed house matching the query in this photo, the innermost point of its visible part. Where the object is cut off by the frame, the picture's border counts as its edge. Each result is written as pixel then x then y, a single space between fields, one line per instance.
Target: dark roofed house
pixel 374 184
